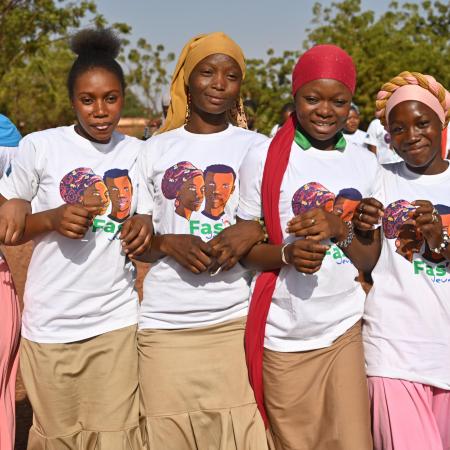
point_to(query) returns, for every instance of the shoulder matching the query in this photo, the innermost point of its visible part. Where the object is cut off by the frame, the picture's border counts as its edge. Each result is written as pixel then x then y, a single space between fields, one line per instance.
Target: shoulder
pixel 257 152
pixel 251 137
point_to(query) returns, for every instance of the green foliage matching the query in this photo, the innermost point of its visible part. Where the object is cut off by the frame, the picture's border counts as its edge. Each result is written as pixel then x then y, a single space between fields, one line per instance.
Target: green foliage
pixel 268 84
pixel 133 106
pixel 410 36
pixel 147 73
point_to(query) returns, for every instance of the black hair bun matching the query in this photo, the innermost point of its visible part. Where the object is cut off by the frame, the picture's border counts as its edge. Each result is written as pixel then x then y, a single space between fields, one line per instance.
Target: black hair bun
pixel 98 42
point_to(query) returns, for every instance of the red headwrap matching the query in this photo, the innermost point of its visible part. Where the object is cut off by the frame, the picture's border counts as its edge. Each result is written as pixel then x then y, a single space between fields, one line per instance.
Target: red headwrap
pixel 322 61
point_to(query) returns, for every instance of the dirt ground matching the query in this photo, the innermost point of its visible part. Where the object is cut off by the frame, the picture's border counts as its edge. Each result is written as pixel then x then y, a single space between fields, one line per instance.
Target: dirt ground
pixel 18 259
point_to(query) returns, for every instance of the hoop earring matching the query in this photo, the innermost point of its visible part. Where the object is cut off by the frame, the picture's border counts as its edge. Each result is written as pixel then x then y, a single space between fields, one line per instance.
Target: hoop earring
pixel 188 109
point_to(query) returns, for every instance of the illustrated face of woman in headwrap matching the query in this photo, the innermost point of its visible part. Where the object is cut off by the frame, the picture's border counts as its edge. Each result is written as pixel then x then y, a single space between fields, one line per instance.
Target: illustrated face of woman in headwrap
pixel 84 187
pixel 312 195
pixel 214 85
pixel 416 134
pixel 322 108
pixel 184 183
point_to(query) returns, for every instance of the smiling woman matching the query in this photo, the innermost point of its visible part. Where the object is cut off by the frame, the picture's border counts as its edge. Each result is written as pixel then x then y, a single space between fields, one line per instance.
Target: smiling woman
pixel 196 294
pixel 78 354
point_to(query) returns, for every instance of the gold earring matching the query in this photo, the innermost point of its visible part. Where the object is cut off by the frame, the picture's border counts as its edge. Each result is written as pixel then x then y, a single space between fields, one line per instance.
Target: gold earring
pixel 188 108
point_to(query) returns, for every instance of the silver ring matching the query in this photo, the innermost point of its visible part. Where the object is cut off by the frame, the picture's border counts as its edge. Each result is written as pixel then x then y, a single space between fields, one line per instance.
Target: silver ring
pixel 360 216
pixel 361 209
pixel 313 221
pixel 434 218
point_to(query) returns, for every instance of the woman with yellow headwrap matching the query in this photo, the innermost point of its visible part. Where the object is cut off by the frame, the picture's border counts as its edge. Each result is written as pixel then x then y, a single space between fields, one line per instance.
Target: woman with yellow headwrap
pixel 193 377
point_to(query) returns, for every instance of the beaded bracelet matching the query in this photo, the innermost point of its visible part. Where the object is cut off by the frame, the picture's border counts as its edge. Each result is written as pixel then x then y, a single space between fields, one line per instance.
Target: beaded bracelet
pixel 263 226
pixel 444 244
pixel 350 235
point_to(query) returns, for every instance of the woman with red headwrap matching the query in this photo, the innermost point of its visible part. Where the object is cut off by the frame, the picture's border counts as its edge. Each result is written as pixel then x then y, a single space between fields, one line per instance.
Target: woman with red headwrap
pixel 303 337
pixel 407 314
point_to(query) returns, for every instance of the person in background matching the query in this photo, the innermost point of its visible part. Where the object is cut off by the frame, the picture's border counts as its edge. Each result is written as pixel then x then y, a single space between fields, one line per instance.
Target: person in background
pixel 406 330
pixel 9 305
pixel 351 131
pixel 165 102
pixel 285 112
pixel 378 141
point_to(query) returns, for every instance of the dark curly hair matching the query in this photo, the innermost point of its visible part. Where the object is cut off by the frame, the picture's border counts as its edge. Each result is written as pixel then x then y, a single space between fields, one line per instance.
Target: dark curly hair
pixel 95 48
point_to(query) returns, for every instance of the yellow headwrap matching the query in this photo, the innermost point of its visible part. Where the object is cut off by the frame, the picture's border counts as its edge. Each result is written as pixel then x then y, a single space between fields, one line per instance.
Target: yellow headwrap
pixel 193 52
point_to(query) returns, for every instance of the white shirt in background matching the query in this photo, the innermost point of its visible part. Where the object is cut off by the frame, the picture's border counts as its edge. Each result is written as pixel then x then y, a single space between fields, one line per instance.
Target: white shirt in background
pixel 358 137
pixel 75 289
pixel 407 315
pixel 173 296
pixel 311 311
pixel 380 138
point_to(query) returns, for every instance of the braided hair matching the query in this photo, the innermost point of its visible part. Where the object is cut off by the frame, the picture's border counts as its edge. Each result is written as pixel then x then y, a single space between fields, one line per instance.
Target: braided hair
pixel 413 78
pixel 95 48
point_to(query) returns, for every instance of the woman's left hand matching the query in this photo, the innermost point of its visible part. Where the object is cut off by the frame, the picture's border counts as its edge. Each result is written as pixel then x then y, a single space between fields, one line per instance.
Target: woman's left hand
pixel 13 215
pixel 234 242
pixel 318 224
pixel 136 235
pixel 428 221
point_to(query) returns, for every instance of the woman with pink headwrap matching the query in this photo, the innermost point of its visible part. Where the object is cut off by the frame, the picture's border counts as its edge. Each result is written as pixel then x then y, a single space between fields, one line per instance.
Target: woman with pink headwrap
pixel 407 315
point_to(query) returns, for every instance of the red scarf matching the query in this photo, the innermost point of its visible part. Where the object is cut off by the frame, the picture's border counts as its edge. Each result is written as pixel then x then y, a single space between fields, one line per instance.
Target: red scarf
pixel 274 169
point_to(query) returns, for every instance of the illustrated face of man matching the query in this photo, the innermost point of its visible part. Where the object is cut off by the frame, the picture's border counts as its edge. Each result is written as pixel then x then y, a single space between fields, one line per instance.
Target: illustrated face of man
pixel 96 194
pixel 121 191
pixel 218 189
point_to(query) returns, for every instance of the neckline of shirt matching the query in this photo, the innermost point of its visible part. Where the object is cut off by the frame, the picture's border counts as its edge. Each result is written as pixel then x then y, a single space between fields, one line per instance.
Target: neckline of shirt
pixel 423 179
pixel 86 143
pixel 206 137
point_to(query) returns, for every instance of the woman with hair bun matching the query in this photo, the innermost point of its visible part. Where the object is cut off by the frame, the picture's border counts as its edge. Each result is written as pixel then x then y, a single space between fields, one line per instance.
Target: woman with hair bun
pixel 406 329
pixel 78 352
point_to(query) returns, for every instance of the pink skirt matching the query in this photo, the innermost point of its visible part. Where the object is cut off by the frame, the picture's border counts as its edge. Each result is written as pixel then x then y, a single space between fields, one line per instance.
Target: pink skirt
pixel 409 416
pixel 9 346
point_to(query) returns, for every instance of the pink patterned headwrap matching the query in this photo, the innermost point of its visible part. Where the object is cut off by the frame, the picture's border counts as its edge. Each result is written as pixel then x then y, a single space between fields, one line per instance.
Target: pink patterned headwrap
pixel 73 185
pixel 175 176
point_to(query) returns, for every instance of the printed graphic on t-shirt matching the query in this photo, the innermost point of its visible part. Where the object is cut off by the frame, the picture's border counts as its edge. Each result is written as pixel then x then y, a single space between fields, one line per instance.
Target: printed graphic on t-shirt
pixel 409 241
pixel 82 186
pixel 192 188
pixel 314 195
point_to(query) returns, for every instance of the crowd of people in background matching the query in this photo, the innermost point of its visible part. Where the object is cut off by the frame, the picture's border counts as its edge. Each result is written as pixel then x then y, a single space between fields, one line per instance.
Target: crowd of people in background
pixel 254 331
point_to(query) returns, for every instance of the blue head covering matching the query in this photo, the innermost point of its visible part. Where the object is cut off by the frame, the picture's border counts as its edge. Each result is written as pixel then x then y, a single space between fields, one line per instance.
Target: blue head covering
pixel 9 135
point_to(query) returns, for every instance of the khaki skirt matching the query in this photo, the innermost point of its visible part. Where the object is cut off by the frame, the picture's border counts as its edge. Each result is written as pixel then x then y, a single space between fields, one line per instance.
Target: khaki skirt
pixel 84 394
pixel 195 392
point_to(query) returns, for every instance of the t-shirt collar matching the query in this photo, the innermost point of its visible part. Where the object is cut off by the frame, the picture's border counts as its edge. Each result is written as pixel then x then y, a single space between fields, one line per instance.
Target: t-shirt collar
pixel 303 142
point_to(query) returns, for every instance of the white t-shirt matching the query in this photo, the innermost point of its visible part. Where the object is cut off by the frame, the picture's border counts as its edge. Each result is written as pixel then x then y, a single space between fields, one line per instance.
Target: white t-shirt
pixel 407 314
pixel 310 311
pixel 77 289
pixel 6 154
pixel 358 137
pixel 190 185
pixel 380 138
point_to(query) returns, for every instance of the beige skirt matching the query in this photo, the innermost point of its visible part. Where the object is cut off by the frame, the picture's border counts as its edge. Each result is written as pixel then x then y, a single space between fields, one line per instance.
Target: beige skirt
pixel 84 394
pixel 318 399
pixel 195 392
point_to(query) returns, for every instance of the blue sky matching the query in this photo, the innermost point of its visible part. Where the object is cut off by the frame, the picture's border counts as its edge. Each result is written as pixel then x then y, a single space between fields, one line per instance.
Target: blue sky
pixel 255 24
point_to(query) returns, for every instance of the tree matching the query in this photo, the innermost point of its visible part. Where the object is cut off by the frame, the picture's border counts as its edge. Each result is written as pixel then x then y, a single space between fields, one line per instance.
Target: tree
pixel 268 84
pixel 407 37
pixel 147 73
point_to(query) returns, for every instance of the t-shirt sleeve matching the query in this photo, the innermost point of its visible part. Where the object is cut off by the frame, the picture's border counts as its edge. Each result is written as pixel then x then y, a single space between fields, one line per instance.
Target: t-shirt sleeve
pixel 21 177
pixel 146 189
pixel 250 179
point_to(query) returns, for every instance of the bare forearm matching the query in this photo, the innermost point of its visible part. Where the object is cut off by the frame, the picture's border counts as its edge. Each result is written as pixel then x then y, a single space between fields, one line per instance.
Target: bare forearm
pixel 37 224
pixel 264 257
pixel 157 249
